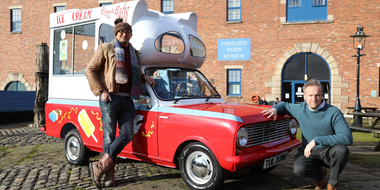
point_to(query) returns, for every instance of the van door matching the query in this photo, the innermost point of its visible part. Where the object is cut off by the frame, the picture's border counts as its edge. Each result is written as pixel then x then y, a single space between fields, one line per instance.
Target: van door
pixel 145 140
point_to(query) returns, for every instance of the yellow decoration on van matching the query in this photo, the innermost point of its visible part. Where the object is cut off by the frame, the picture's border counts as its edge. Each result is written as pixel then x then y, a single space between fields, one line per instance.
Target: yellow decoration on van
pixel 149 132
pixel 99 119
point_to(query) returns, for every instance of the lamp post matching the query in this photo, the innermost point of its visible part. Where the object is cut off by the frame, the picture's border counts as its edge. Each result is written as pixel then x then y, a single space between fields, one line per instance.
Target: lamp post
pixel 358 36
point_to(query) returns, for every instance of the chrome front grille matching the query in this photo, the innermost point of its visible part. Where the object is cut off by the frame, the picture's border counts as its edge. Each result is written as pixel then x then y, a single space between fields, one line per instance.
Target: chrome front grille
pixel 267 132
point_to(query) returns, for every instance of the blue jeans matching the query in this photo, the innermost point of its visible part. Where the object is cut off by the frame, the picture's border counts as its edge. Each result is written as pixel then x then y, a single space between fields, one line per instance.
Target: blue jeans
pixel 122 111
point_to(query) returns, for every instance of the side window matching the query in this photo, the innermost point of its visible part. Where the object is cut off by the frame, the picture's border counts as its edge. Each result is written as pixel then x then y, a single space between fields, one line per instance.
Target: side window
pixel 62 54
pixel 234 10
pixel 306 10
pixel 170 42
pixel 162 86
pixel 15 20
pixel 197 48
pixel 84 46
pixel 106 34
pixel 233 81
pixel 167 6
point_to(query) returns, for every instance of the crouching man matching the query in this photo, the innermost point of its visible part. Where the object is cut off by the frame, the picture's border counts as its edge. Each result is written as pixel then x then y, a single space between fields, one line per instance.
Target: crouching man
pixel 325 135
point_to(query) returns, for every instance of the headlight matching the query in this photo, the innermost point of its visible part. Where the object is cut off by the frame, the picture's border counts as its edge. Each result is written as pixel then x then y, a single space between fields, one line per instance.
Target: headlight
pixel 242 137
pixel 293 125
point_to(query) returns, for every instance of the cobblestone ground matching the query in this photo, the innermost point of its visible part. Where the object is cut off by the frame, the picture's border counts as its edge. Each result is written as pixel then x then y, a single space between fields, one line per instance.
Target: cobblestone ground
pixel 31 160
pixel 63 175
pixel 25 136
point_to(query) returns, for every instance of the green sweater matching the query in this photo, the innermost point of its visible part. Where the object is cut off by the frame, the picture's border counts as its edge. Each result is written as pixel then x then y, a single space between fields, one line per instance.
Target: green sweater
pixel 327 126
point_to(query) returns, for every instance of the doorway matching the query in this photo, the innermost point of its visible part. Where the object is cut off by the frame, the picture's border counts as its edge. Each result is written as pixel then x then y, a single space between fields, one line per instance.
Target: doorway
pixel 300 68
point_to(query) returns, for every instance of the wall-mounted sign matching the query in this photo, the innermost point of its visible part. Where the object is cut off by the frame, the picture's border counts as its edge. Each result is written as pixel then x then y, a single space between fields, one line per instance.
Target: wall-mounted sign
pixel 234 49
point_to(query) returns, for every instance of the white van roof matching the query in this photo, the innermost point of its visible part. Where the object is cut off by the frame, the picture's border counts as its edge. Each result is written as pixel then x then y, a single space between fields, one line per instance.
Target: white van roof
pixel 147 25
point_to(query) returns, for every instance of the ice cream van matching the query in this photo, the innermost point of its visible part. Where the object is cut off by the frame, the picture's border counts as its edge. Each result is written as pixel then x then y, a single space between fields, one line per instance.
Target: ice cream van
pixel 182 122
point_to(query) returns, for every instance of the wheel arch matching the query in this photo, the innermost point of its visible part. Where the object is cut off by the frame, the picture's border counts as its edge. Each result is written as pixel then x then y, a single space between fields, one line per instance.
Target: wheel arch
pixel 185 143
pixel 66 128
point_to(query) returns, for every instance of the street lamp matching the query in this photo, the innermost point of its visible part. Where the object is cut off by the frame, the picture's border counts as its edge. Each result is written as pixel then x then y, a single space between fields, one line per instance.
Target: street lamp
pixel 358 36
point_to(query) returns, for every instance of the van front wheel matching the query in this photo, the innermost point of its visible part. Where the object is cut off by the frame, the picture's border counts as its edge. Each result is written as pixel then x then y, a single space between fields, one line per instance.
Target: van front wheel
pixel 199 167
pixel 76 153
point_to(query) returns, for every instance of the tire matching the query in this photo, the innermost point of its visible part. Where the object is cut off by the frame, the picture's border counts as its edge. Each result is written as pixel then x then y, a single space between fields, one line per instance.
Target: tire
pixel 259 169
pixel 76 153
pixel 199 168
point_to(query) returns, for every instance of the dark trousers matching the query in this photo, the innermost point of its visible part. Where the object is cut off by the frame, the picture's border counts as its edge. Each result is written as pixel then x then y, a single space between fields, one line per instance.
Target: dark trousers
pixel 335 157
pixel 122 111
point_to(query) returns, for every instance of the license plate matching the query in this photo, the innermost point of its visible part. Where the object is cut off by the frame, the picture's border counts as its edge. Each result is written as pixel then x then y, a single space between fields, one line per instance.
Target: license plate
pixel 272 161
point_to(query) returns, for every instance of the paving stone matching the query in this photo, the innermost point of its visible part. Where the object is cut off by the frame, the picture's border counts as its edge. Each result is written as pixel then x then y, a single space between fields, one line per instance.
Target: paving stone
pixel 62 175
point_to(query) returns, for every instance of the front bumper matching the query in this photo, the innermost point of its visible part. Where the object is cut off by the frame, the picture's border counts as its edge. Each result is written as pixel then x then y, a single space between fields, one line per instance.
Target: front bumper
pixel 241 161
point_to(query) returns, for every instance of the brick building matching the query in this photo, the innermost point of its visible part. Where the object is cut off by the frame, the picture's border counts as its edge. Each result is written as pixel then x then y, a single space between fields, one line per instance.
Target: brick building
pixel 254 47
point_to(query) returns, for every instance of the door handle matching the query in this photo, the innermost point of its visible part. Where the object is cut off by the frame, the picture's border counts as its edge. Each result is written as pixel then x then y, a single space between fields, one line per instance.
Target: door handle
pixel 164 117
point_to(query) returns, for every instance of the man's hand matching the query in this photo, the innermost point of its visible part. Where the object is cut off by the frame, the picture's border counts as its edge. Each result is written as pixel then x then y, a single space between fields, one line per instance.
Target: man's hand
pixel 270 113
pixel 105 96
pixel 307 151
pixel 149 79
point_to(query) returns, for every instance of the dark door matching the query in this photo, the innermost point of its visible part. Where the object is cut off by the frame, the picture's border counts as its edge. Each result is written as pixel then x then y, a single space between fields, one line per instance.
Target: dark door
pixel 297 70
pixel 298 92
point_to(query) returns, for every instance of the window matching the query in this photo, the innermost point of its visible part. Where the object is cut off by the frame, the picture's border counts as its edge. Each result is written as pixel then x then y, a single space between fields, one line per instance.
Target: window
pixel 306 10
pixel 180 84
pixel 59 8
pixel 167 6
pixel 234 10
pixel 233 81
pixel 197 48
pixel 294 3
pixel 318 2
pixel 15 86
pixel 16 20
pixel 105 4
pixel 83 44
pixel 106 34
pixel 170 42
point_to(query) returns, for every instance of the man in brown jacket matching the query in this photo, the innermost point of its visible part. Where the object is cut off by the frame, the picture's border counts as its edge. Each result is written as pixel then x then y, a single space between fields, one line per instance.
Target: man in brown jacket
pixel 114 73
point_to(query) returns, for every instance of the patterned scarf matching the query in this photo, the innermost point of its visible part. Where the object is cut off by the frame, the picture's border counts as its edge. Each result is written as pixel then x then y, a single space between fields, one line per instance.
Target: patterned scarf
pixel 121 74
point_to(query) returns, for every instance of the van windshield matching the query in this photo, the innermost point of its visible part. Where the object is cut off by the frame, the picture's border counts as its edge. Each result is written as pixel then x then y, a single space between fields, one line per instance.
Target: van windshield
pixel 181 84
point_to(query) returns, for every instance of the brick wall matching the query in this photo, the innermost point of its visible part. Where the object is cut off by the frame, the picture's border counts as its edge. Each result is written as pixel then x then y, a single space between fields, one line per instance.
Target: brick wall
pixel 262 21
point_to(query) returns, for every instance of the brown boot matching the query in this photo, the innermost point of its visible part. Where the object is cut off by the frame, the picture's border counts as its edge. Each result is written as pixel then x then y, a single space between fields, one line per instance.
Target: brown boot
pixel 109 178
pixel 329 187
pixel 99 168
pixel 320 184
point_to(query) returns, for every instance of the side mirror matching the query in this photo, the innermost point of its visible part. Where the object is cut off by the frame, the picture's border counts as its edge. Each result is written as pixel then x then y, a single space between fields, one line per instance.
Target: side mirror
pixel 145 100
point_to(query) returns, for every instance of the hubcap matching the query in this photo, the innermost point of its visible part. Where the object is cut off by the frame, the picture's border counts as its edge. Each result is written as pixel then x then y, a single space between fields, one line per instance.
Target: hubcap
pixel 73 148
pixel 199 167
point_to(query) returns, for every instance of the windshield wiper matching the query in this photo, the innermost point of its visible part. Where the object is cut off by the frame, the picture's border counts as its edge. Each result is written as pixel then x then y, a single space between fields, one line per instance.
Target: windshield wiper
pixel 212 95
pixel 186 96
pixel 182 97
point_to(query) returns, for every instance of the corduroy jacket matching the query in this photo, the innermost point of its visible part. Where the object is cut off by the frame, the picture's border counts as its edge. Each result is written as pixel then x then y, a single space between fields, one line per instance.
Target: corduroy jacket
pixel 101 70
